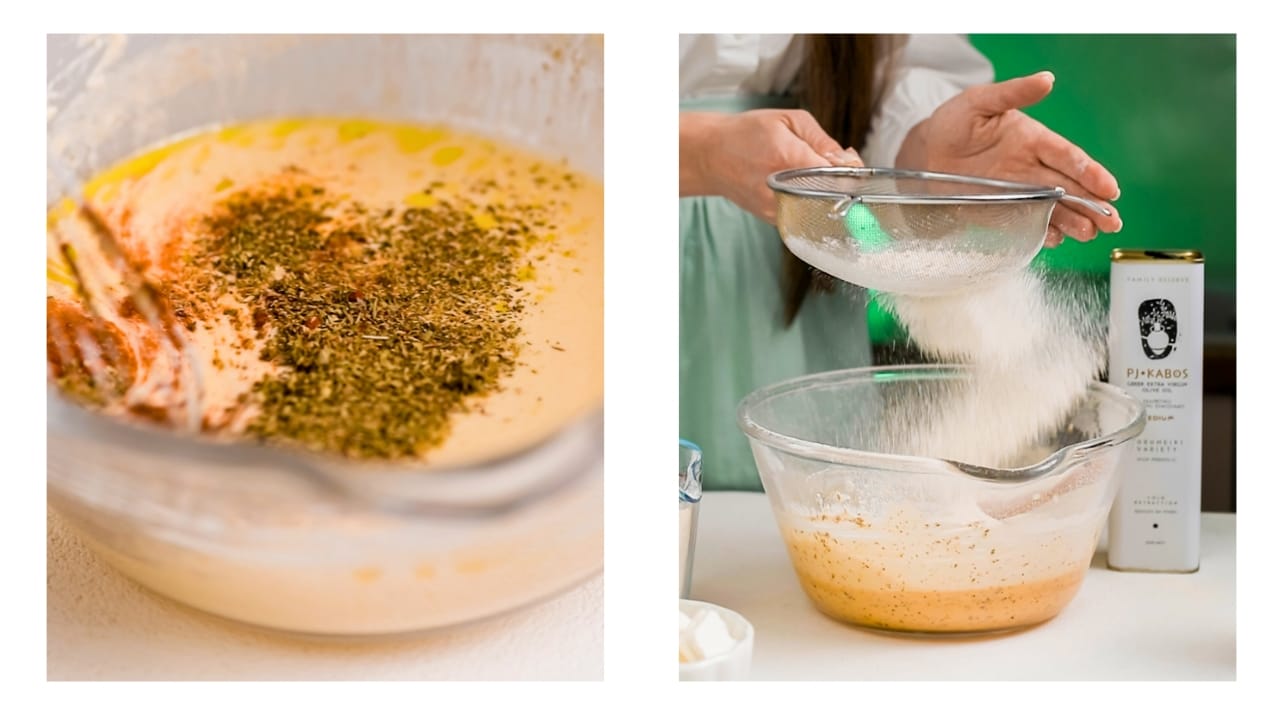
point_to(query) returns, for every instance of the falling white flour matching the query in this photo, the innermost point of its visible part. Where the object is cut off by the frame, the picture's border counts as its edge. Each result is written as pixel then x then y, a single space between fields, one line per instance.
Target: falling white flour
pixel 1034 347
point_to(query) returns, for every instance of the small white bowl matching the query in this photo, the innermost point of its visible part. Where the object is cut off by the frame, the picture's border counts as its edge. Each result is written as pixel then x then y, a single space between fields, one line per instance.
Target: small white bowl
pixel 732 665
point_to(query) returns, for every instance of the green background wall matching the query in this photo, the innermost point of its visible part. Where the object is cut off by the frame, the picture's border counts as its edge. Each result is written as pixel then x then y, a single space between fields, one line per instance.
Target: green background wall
pixel 1159 111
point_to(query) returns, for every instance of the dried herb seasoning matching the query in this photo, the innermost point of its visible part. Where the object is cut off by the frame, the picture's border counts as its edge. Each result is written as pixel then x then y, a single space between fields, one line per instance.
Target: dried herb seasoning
pixel 381 322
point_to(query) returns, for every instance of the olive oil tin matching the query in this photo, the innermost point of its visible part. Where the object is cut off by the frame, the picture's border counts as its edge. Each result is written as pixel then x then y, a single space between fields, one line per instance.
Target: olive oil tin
pixel 1157 355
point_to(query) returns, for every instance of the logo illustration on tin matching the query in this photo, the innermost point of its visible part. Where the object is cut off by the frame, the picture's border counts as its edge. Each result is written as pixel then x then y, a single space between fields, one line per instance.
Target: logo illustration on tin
pixel 1158 325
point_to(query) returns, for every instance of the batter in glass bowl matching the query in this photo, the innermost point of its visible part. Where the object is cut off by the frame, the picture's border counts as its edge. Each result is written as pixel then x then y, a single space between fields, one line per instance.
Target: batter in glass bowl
pixel 358 287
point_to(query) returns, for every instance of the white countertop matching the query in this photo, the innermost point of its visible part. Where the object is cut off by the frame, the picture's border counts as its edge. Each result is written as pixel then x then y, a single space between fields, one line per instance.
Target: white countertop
pixel 1121 626
pixel 103 626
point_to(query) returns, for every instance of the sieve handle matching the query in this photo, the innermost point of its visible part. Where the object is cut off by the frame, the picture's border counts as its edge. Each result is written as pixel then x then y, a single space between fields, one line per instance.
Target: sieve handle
pixel 1088 204
pixel 842 206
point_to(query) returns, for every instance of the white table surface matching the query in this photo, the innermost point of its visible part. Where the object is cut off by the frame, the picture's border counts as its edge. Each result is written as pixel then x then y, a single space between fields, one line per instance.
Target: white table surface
pixel 103 626
pixel 1130 626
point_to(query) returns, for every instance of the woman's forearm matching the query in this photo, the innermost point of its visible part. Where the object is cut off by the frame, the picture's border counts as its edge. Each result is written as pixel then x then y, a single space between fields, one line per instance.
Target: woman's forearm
pixel 694 137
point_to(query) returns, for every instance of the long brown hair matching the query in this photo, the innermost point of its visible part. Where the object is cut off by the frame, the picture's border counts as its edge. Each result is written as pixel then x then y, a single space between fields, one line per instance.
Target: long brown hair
pixel 841 88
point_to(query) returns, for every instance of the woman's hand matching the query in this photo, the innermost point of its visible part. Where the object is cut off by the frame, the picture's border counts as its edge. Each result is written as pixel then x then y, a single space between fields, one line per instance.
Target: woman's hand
pixel 732 155
pixel 982 132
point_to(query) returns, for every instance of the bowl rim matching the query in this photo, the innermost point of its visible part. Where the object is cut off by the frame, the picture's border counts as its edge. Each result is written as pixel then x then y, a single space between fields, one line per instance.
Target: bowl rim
pixel 1065 457
pixel 493 487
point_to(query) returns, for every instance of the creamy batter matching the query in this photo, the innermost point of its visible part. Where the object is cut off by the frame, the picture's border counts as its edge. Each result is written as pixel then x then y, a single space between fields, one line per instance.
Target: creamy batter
pixel 961 571
pixel 153 203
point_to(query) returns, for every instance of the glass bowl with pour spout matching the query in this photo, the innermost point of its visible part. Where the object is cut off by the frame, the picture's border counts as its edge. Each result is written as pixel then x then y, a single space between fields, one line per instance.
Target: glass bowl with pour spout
pixel 884 539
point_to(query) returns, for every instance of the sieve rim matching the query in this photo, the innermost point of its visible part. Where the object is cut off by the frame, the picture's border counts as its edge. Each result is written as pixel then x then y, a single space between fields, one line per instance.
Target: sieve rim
pixel 1017 192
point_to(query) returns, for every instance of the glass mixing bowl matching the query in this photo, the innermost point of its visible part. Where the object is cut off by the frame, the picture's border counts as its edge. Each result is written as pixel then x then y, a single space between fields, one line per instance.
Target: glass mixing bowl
pixel 883 539
pixel 301 542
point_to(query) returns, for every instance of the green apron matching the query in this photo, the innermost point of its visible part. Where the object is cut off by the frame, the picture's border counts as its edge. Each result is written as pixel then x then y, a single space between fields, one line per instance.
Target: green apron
pixel 732 338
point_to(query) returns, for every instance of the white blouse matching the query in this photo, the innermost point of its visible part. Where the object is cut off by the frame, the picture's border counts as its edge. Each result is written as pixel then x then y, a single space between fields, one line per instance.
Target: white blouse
pixel 928 71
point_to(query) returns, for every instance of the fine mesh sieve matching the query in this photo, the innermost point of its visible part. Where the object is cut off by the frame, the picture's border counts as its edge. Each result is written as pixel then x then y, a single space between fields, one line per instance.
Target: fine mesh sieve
pixel 912 232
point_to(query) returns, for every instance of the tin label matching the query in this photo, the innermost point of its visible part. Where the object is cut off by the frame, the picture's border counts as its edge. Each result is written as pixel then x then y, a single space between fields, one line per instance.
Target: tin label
pixel 1157 355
